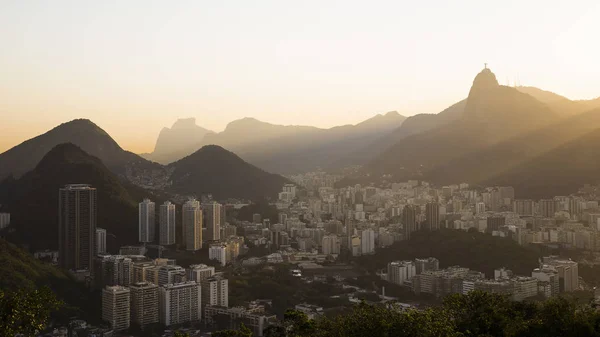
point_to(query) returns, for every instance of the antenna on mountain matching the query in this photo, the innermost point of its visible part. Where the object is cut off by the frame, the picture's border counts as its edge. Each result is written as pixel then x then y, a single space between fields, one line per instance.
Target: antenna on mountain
pixel 485 65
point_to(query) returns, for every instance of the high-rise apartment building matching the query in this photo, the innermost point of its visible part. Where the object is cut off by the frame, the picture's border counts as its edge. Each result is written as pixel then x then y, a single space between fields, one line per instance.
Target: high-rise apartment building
pixel 423 265
pixel 167 224
pixel 523 207
pixel 401 271
pixel 199 272
pixel 100 241
pixel 139 271
pixel 180 303
pixel 218 252
pixel 144 303
pixel 211 213
pixel 215 291
pixel 367 242
pixel 192 225
pixel 409 220
pixel 170 274
pixel 432 216
pixel 147 221
pixel 479 208
pixel 494 223
pixel 227 231
pixel 113 270
pixel 547 208
pixel 331 245
pixel 568 272
pixel 116 307
pixel 77 217
pixel 290 188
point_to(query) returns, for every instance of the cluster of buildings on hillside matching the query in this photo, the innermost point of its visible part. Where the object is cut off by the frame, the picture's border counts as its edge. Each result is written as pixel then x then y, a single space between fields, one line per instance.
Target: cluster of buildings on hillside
pixel 553 276
pixel 136 289
pixel 360 219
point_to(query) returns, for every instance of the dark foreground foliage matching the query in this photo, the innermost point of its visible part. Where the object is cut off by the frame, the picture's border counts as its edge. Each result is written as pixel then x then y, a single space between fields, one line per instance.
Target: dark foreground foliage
pixel 476 314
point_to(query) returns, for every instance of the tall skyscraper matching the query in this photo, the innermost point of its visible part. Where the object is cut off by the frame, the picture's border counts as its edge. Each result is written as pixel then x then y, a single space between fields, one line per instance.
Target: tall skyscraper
pixel 147 221
pixel 349 232
pixel 409 220
pixel 115 307
pixel 432 216
pixel 547 208
pixel 179 303
pixel 330 245
pixel 77 217
pixel 367 242
pixel 144 303
pixel 167 224
pixel 192 225
pixel 211 213
pixel 100 241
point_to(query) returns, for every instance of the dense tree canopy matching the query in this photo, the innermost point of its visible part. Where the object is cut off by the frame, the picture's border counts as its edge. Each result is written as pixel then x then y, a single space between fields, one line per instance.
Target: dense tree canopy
pixel 25 311
pixel 476 314
pixel 478 251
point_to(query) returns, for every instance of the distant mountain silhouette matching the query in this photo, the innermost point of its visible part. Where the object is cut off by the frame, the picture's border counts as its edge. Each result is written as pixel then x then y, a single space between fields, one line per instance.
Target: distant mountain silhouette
pixel 492 113
pixel 85 134
pixel 288 148
pixel 214 170
pixel 182 139
pixel 559 104
pixel 412 125
pixel 33 198
pixel 481 166
pixel 568 165
pixel 293 149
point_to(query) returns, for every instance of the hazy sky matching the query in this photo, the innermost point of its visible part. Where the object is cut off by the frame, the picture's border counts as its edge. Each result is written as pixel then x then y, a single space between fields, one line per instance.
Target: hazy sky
pixel 136 66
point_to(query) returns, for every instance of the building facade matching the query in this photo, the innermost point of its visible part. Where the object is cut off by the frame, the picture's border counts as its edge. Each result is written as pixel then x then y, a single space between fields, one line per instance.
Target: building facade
pixel 77 218
pixel 180 303
pixel 167 224
pixel 146 221
pixel 116 307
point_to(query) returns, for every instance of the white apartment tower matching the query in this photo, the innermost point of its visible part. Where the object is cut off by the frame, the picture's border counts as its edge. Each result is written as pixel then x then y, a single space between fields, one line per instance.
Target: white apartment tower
pixel 215 291
pixel 367 242
pixel 100 241
pixel 147 221
pixel 212 220
pixel 192 225
pixel 144 303
pixel 219 253
pixel 180 303
pixel 167 224
pixel 115 307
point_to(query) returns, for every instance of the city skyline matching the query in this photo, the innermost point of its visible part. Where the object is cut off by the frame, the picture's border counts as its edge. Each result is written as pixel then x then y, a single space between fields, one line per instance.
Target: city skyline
pixel 300 66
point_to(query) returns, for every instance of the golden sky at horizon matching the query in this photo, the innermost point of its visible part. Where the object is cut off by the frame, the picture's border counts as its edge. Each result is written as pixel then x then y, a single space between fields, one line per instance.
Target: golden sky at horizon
pixel 135 67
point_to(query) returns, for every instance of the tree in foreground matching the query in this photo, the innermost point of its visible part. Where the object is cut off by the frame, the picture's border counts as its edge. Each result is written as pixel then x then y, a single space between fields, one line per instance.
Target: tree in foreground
pixel 26 312
pixel 478 313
